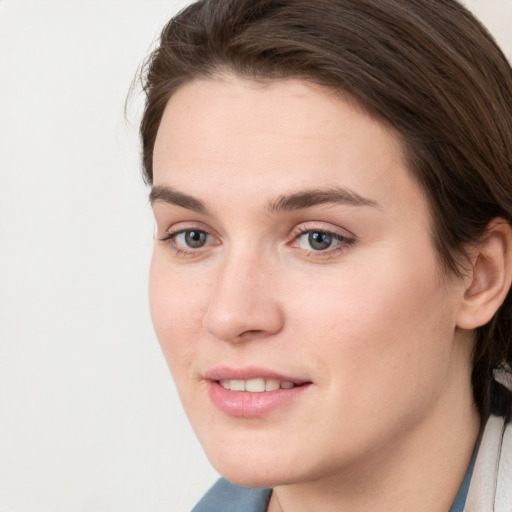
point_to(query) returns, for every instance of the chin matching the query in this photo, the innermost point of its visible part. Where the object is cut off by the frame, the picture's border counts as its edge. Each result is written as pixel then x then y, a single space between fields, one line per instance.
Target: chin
pixel 254 478
pixel 250 470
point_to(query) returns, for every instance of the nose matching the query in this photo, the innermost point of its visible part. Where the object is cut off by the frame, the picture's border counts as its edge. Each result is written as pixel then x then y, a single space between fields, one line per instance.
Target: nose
pixel 244 302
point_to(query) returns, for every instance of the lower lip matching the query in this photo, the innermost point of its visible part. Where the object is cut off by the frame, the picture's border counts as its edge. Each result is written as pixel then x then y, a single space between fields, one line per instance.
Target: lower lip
pixel 245 404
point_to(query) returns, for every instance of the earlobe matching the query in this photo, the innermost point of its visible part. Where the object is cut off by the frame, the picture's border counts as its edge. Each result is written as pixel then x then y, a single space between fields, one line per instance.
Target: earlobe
pixel 491 276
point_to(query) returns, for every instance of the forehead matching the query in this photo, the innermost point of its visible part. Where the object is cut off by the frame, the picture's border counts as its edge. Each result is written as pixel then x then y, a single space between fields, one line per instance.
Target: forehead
pixel 294 107
pixel 279 137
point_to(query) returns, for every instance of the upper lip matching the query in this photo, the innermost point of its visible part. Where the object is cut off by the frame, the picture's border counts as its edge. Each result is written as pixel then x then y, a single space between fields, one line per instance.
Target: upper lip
pixel 246 373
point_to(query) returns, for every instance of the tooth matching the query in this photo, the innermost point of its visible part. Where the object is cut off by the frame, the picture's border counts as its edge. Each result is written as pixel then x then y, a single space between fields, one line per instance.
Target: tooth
pixel 237 385
pixel 224 383
pixel 255 385
pixel 271 385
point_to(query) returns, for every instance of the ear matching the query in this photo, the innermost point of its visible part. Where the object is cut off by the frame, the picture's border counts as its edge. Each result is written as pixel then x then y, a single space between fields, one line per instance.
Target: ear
pixel 490 278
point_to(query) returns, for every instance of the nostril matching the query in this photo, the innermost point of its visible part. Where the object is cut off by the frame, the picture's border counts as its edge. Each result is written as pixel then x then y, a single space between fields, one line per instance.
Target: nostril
pixel 251 333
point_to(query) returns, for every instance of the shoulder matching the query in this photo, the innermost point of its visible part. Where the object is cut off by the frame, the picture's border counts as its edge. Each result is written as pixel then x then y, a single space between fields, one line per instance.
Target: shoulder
pixel 227 497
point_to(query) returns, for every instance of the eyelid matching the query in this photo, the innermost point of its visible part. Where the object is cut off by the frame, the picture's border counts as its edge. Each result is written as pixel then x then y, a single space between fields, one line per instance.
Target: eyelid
pixel 343 236
pixel 328 228
pixel 179 227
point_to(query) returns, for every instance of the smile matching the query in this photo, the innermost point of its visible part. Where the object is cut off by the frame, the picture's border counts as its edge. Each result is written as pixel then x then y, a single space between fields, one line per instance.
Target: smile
pixel 257 385
pixel 251 393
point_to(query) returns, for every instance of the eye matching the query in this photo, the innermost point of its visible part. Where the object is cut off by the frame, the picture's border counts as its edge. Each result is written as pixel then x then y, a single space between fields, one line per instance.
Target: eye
pixel 321 241
pixel 188 241
pixel 317 240
pixel 191 238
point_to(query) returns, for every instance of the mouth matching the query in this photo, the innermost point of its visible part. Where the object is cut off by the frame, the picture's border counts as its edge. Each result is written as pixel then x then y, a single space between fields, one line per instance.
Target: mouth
pixel 256 385
pixel 252 393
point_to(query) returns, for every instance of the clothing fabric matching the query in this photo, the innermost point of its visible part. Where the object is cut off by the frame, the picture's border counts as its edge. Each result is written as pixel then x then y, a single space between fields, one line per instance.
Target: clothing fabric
pixel 490 489
pixel 227 497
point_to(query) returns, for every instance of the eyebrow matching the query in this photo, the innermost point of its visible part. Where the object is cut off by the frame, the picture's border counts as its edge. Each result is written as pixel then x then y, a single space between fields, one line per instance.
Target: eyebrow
pixel 164 194
pixel 286 202
pixel 309 198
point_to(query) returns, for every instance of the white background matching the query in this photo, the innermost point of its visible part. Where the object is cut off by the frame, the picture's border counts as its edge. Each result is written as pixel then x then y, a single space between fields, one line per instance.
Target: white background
pixel 89 417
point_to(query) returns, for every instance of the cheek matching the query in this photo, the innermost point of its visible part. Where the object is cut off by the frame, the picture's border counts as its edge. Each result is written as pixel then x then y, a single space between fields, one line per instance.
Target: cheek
pixel 381 345
pixel 176 312
pixel 387 318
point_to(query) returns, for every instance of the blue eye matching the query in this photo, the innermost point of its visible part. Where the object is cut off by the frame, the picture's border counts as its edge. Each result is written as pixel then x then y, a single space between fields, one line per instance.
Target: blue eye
pixel 319 240
pixel 187 240
pixel 191 238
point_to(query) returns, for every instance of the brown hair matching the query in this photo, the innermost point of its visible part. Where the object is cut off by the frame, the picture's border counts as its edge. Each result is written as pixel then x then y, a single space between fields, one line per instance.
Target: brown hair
pixel 426 67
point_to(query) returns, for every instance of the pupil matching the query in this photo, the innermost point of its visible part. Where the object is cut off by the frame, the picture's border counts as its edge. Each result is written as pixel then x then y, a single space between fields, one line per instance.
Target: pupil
pixel 195 239
pixel 319 240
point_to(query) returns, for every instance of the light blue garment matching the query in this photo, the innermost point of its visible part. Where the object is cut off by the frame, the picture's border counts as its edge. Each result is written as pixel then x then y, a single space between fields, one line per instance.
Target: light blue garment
pixel 227 497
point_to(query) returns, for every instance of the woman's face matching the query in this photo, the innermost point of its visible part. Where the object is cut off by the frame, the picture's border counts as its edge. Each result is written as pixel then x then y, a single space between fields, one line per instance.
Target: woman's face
pixel 294 249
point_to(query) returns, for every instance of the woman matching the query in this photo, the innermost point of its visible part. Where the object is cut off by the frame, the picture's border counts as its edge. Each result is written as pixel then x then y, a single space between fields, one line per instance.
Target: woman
pixel 330 284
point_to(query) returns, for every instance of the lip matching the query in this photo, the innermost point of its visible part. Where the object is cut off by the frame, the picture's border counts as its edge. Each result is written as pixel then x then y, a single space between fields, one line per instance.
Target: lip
pixel 224 372
pixel 246 404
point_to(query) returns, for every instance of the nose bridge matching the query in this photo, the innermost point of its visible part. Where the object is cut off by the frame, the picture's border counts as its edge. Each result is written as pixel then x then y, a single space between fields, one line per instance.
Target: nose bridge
pixel 243 302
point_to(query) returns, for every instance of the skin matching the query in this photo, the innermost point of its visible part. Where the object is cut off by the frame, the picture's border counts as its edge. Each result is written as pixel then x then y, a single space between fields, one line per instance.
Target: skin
pixel 388 421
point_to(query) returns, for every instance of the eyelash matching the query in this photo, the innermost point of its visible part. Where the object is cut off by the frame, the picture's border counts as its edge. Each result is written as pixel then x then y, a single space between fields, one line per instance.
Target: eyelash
pixel 170 237
pixel 345 241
